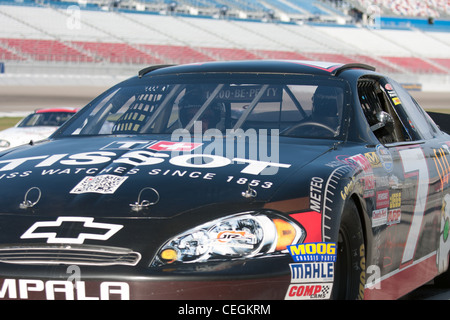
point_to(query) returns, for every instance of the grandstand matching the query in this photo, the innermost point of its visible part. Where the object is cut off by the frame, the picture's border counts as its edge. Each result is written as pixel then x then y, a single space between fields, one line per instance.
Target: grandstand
pixel 125 35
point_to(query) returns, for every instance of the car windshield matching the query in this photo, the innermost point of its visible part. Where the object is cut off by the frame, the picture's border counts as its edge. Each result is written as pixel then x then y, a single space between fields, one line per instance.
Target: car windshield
pixel 51 119
pixel 298 106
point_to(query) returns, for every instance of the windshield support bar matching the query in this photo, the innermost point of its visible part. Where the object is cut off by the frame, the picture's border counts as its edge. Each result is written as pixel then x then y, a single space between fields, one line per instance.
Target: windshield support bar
pixel 204 106
pixel 251 107
pixel 161 107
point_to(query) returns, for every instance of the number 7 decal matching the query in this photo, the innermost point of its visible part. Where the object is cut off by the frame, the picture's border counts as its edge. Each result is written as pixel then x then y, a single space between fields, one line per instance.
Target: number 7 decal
pixel 415 164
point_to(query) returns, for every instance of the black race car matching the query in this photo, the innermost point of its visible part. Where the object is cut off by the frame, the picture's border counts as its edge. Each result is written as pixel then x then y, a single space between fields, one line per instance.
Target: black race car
pixel 231 180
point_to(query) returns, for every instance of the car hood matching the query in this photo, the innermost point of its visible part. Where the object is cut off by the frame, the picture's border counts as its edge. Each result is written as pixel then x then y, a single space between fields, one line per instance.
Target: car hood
pixel 135 177
pixel 17 136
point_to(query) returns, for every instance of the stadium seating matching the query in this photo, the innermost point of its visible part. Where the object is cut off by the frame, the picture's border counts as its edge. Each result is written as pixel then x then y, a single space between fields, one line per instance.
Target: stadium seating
pixel 44 50
pixel 142 38
pixel 415 65
pixel 116 52
pixel 415 8
pixel 174 54
pixel 8 55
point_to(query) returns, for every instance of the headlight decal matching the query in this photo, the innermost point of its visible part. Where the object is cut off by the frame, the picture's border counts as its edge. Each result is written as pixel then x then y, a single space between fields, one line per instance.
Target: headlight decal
pixel 4 143
pixel 312 222
pixel 243 235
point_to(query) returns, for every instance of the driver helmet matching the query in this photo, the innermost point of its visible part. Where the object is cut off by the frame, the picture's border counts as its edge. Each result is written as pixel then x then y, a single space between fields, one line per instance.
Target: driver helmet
pixel 189 105
pixel 325 106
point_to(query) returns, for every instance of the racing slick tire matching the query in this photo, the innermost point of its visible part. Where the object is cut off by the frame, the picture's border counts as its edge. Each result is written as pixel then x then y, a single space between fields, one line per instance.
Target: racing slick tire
pixel 443 280
pixel 349 273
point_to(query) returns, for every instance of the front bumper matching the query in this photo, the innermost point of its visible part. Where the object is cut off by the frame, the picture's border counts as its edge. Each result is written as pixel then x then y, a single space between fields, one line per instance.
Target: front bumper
pixel 262 279
pixel 249 289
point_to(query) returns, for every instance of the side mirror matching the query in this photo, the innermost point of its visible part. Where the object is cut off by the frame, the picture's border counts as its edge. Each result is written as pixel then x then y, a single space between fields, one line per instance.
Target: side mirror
pixel 385 120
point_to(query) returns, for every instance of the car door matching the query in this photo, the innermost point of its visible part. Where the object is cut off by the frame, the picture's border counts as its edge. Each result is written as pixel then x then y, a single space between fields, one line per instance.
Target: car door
pixel 410 188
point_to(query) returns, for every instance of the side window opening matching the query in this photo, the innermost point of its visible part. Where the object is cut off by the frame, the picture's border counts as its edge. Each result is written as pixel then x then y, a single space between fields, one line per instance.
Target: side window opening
pixel 415 118
pixel 381 116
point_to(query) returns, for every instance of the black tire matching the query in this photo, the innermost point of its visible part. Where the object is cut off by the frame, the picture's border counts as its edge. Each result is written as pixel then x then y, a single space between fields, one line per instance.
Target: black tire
pixel 350 265
pixel 443 280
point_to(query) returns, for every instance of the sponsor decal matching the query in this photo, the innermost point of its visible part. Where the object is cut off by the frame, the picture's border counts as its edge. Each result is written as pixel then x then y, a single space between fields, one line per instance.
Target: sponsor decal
pixel 312 272
pixel 128 145
pixel 79 228
pixel 316 251
pixel 379 217
pixel 104 171
pixel 368 178
pixel 373 159
pixel 135 158
pixel 385 157
pixel 246 93
pixel 348 188
pixel 104 184
pixel 174 146
pixel 392 94
pixel 442 165
pixel 315 194
pixel 363 163
pixel 241 239
pixel 395 200
pixel 444 242
pixel 396 100
pixel 369 185
pixel 312 291
pixel 382 199
pixel 394 216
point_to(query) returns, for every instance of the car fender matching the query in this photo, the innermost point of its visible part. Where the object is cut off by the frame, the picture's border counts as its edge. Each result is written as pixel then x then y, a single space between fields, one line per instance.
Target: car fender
pixel 318 199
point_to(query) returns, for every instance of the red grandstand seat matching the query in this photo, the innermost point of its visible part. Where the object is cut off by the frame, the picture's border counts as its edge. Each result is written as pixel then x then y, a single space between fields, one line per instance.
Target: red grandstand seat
pixel 117 52
pixel 228 53
pixel 332 57
pixel 442 62
pixel 285 55
pixel 5 54
pixel 416 65
pixel 379 65
pixel 46 50
pixel 175 54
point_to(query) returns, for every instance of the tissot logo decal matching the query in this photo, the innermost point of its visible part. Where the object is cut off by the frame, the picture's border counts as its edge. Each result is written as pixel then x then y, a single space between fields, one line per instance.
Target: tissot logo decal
pixel 74 230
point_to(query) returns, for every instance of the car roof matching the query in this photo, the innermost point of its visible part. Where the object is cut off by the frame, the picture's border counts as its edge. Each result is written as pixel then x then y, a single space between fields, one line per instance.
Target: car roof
pixel 266 66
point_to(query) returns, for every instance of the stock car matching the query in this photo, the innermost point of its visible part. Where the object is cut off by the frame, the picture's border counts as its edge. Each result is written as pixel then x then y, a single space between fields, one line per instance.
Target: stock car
pixel 231 180
pixel 36 126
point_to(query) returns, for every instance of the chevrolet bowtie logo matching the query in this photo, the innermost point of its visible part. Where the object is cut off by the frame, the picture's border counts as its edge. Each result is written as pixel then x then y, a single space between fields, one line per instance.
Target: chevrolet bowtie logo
pixel 71 230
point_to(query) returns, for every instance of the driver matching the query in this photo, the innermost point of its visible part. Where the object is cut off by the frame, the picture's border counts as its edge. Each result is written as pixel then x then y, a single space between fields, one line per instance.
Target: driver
pixel 324 118
pixel 325 106
pixel 191 103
